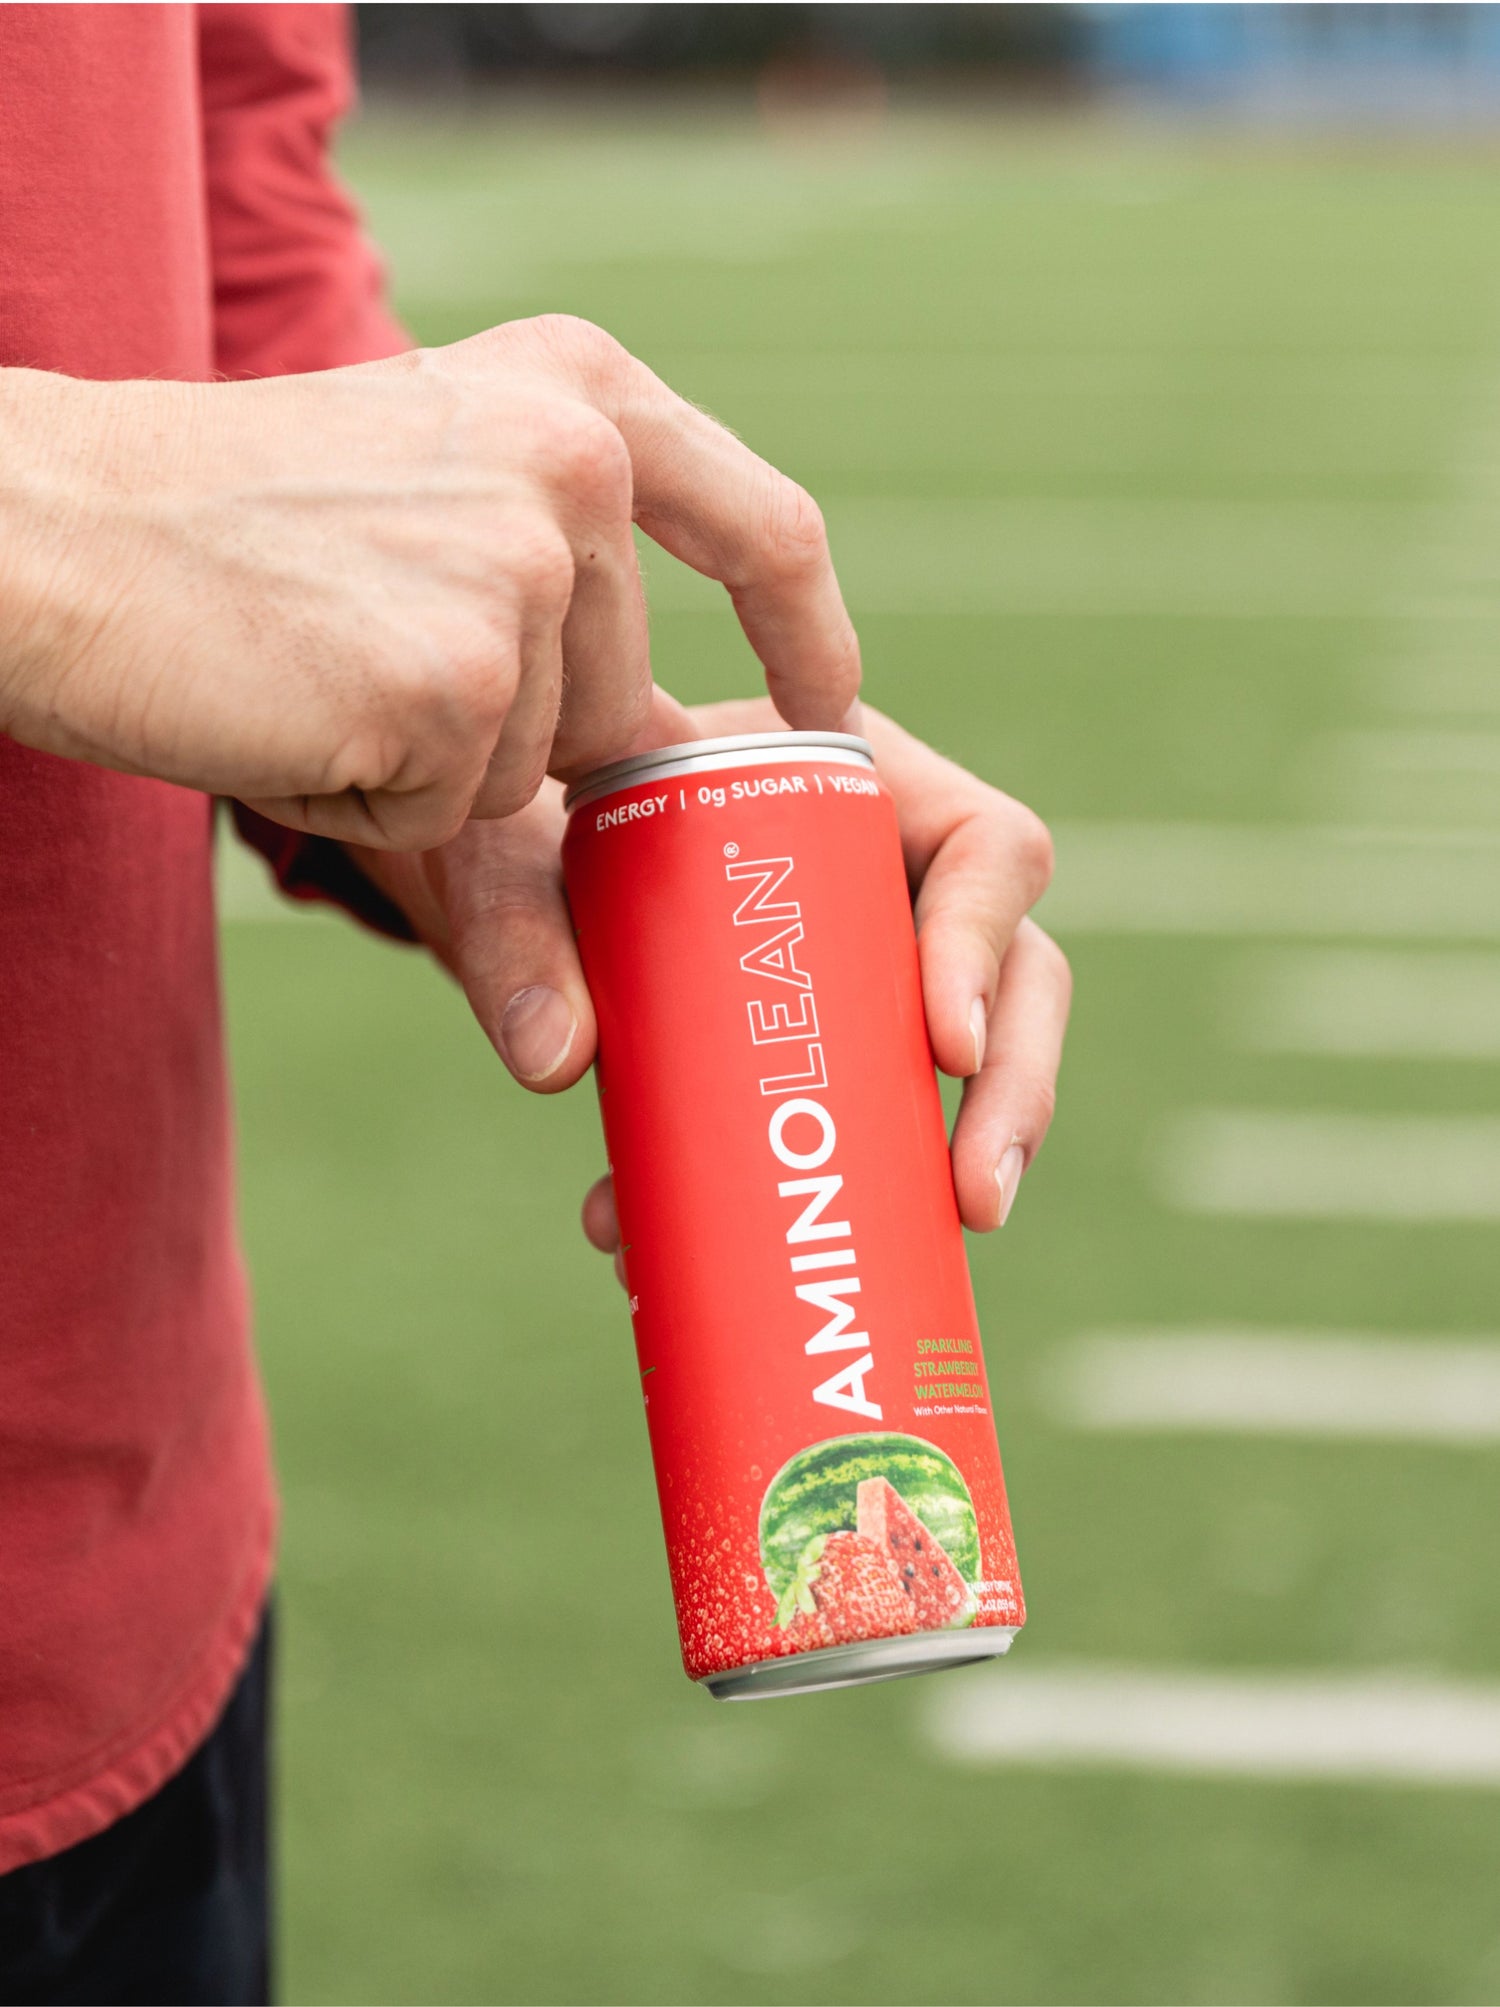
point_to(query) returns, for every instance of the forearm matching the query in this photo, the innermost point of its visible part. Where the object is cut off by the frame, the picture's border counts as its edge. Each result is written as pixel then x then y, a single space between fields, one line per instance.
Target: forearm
pixel 81 467
pixel 42 620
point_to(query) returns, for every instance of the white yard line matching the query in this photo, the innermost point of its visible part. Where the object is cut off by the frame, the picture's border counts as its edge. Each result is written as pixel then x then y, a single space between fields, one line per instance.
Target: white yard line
pixel 1441 771
pixel 1448 666
pixel 1293 1165
pixel 1402 750
pixel 1257 879
pixel 1191 878
pixel 1275 1727
pixel 1446 684
pixel 1365 1003
pixel 1345 1384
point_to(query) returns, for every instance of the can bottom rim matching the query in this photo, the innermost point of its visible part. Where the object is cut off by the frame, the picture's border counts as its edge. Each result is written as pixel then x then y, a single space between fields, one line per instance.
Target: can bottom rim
pixel 858 1665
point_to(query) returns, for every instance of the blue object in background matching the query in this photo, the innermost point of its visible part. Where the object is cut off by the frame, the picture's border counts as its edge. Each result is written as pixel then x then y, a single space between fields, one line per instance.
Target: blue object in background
pixel 1440 60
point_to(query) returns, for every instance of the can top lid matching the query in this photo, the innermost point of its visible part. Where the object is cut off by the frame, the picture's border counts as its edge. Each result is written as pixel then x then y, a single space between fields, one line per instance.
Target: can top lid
pixel 739 750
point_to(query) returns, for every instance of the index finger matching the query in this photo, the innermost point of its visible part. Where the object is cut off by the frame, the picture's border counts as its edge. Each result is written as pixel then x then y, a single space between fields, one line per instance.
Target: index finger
pixel 704 496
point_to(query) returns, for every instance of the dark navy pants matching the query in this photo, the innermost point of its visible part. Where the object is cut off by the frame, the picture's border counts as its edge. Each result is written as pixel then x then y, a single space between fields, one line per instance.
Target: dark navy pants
pixel 169 1906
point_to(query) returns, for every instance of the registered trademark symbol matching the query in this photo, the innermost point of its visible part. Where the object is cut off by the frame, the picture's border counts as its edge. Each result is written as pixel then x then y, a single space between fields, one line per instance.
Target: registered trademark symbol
pixel 731 850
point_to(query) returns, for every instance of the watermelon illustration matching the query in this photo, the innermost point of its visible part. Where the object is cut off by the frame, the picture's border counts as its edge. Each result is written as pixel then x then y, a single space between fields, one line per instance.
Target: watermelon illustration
pixel 844 1591
pixel 817 1492
pixel 939 1593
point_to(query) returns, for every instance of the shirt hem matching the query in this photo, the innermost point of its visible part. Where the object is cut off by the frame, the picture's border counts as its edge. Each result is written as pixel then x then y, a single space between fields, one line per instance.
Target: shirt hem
pixel 76 1813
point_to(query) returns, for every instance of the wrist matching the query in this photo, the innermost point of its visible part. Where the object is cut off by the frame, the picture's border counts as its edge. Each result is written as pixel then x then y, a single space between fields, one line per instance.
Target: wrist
pixel 49 601
pixel 73 457
pixel 27 528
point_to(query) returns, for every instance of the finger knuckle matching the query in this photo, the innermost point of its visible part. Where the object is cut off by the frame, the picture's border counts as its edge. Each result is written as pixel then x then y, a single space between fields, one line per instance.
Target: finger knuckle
pixel 477 686
pixel 451 695
pixel 591 461
pixel 796 537
pixel 508 921
pixel 542 557
pixel 443 825
pixel 366 754
pixel 1042 1098
pixel 847 674
pixel 1059 967
pixel 577 342
pixel 1031 842
pixel 518 789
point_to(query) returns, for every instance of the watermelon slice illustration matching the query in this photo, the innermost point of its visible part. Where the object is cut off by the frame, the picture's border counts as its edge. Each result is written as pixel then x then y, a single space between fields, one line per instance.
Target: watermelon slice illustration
pixel 817 1491
pixel 868 1536
pixel 843 1592
pixel 938 1592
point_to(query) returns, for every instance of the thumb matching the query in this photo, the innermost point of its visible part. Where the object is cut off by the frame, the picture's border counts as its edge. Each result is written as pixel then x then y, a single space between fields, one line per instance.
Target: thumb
pixel 511 945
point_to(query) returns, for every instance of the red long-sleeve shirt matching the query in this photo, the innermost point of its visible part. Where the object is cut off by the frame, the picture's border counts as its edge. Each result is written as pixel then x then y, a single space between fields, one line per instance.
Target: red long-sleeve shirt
pixel 167 209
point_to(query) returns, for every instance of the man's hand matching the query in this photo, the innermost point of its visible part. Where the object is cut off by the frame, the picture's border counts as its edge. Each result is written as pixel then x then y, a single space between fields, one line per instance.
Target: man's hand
pixel 375 602
pixel 996 987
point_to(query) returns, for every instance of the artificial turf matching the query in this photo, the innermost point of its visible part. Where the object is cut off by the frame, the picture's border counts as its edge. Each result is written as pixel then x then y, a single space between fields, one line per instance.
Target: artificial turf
pixel 1132 445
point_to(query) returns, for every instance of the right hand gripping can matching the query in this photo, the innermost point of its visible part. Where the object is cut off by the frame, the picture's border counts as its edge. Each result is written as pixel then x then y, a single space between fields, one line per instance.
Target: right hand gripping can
pixel 810 1359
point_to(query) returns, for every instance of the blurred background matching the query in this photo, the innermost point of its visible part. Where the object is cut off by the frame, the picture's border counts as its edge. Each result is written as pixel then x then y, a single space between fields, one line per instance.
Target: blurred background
pixel 1147 362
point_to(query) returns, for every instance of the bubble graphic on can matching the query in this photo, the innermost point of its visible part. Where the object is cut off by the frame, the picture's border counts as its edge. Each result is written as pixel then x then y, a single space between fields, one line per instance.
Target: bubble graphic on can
pixel 815 1390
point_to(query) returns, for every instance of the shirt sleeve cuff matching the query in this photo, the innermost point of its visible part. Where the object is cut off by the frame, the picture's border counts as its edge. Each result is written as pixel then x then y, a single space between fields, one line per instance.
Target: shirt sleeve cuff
pixel 315 867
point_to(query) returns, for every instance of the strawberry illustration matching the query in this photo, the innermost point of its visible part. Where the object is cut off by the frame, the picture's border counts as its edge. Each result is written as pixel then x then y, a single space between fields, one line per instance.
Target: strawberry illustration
pixel 844 1591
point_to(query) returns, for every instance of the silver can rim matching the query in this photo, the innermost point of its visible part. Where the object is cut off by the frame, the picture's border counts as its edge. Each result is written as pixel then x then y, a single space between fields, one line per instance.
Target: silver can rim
pixel 664 759
pixel 862 1664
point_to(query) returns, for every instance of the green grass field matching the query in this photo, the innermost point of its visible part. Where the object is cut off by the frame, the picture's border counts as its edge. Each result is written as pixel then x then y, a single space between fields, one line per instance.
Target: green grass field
pixel 1157 472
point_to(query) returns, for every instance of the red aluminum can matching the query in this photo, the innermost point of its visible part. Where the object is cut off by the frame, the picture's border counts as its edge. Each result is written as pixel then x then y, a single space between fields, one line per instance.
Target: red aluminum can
pixel 810 1358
